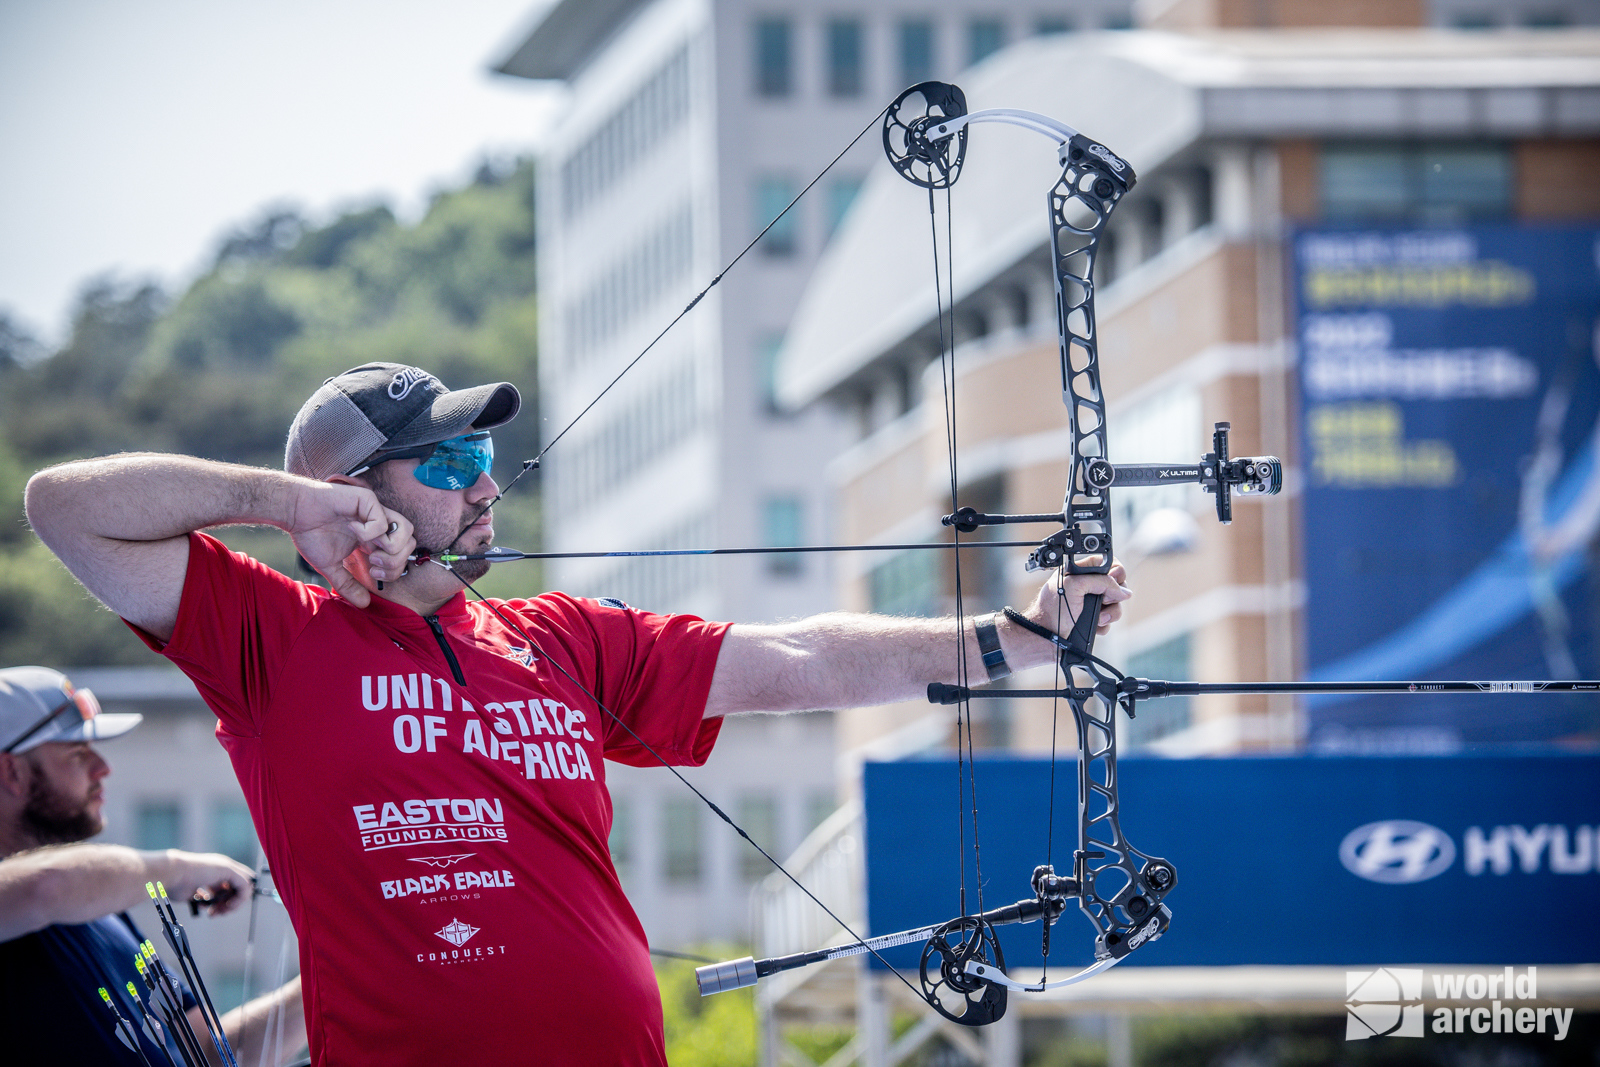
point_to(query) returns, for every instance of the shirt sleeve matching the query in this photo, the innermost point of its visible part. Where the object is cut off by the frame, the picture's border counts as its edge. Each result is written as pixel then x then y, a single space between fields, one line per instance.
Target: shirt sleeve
pixel 652 673
pixel 237 621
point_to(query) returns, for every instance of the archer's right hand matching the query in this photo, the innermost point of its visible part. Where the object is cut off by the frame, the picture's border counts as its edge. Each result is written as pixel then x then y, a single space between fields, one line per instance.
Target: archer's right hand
pixel 338 526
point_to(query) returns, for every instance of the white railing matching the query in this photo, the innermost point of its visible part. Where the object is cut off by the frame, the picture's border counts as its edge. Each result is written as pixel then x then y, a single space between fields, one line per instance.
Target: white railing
pixel 829 863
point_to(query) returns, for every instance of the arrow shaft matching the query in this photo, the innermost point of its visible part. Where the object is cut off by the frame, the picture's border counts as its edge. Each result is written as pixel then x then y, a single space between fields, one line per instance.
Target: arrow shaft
pixel 505 557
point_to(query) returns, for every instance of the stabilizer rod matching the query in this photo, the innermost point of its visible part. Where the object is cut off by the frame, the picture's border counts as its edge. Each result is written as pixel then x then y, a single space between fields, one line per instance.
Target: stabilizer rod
pixel 1143 688
pixel 736 974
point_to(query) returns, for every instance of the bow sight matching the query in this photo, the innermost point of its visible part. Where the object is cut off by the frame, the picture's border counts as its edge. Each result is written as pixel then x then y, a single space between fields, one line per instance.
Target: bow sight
pixel 1215 473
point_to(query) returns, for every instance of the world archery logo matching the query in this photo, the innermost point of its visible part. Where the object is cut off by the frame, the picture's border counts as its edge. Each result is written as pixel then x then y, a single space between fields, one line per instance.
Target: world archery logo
pixel 459 933
pixel 523 656
pixel 1386 1002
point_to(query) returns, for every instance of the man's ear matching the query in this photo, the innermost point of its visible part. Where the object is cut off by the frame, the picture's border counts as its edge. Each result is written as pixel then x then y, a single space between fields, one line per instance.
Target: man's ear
pixel 15 774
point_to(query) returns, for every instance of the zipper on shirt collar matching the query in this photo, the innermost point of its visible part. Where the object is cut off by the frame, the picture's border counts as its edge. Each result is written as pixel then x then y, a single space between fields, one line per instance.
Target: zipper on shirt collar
pixel 444 646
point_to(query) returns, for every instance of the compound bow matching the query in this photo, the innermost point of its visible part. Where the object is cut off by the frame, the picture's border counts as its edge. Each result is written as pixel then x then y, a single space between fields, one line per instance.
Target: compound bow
pixel 1119 889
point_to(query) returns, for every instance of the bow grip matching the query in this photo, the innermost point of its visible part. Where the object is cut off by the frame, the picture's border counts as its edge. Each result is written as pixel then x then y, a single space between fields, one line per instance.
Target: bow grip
pixel 1081 640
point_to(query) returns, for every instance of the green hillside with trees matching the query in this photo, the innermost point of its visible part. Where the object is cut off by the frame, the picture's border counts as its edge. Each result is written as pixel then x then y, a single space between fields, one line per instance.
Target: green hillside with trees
pixel 220 369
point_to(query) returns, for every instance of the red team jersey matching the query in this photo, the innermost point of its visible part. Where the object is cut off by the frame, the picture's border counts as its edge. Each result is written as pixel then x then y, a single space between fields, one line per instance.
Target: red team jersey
pixel 442 847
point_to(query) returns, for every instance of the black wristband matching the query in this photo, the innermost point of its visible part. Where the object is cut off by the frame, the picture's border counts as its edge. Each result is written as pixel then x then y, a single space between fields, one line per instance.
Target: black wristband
pixel 994 660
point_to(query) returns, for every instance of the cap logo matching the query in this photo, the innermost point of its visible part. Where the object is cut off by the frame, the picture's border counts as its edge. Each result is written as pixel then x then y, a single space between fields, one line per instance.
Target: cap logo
pixel 401 384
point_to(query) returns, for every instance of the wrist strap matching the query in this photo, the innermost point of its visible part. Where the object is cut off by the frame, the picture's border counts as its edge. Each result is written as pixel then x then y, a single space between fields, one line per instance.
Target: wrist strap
pixel 994 660
pixel 1034 628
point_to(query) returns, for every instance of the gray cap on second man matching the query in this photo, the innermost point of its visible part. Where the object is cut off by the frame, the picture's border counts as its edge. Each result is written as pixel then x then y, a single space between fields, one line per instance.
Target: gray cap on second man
pixel 38 705
pixel 386 407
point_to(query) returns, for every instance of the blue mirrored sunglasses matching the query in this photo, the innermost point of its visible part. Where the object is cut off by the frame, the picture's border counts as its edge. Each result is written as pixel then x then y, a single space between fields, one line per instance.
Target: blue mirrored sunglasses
pixel 458 462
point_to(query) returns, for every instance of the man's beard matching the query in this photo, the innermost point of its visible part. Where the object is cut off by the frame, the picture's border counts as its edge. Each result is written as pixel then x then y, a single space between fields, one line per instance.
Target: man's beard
pixel 466 570
pixel 52 819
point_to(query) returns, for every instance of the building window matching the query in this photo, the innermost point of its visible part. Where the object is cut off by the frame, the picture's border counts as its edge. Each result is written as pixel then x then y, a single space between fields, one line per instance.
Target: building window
pixel 1050 25
pixel 627 135
pixel 681 840
pixel 773 196
pixel 232 832
pixel 621 839
pixel 906 584
pixel 774 65
pixel 782 524
pixel 1168 661
pixel 845 77
pixel 758 814
pixel 916 51
pixel 631 284
pixel 639 431
pixel 1416 182
pixel 841 194
pixel 984 38
pixel 159 824
pixel 661 583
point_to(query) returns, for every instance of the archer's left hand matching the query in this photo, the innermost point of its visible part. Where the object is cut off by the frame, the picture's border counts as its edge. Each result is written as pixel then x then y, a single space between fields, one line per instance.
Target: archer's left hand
pixel 1060 599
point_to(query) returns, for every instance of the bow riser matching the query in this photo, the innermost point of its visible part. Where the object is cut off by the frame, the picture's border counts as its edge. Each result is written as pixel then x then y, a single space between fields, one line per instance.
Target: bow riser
pixel 1119 889
pixel 1093 181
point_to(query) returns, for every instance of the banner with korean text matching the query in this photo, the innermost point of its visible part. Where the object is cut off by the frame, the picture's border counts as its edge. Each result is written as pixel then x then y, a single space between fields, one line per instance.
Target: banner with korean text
pixel 1450 391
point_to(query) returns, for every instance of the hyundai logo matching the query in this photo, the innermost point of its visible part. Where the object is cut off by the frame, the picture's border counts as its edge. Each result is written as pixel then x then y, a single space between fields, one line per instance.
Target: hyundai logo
pixel 1397 851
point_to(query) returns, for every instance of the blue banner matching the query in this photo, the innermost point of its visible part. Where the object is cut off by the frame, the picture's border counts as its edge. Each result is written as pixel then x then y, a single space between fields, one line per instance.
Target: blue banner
pixel 1330 861
pixel 1450 395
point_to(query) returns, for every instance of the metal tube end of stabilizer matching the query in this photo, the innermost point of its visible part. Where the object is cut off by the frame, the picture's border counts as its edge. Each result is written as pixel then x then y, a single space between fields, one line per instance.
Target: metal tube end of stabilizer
pixel 721 977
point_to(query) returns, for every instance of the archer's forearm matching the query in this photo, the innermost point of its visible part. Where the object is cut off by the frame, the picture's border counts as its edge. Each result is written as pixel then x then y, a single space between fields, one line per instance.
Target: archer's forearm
pixel 141 496
pixel 121 523
pixel 73 884
pixel 846 660
pixel 854 661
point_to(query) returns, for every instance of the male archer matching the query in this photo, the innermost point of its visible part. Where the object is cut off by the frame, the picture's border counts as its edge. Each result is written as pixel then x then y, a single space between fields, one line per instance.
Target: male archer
pixel 65 932
pixel 433 807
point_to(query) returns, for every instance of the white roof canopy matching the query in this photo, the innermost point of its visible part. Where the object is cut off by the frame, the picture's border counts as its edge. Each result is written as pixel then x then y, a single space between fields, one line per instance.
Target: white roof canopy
pixel 1148 97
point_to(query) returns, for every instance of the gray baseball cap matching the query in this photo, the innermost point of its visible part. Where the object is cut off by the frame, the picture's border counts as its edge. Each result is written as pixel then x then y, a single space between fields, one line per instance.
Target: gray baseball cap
pixel 357 416
pixel 38 705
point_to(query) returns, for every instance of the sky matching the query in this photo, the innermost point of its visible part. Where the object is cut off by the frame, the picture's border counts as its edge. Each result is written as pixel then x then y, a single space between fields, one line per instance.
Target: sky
pixel 134 136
